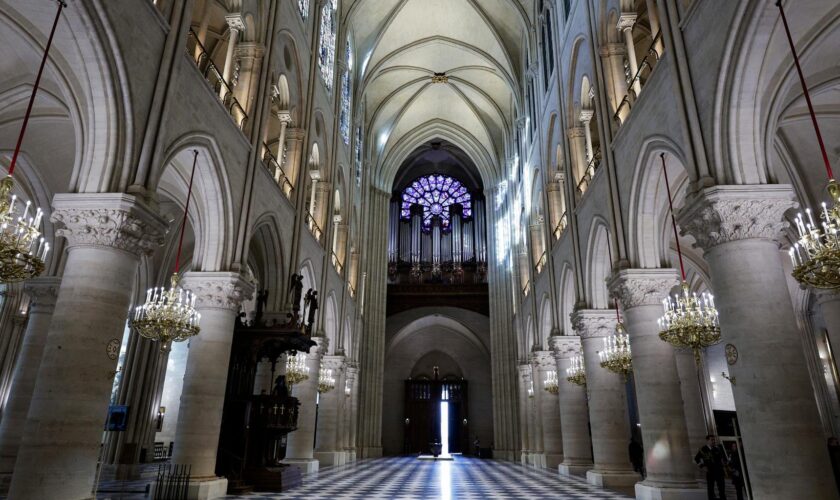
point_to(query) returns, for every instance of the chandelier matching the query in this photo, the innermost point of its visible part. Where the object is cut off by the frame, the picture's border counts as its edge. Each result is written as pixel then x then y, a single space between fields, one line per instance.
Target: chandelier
pixel 816 254
pixel 690 321
pixel 530 388
pixel 616 356
pixel 575 373
pixel 168 314
pixel 326 380
pixel 296 368
pixel 22 248
pixel 347 387
pixel 550 383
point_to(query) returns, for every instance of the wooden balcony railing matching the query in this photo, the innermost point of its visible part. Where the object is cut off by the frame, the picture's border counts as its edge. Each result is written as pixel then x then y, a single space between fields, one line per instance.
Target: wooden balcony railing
pixel 213 76
pixel 561 226
pixel 645 68
pixel 276 170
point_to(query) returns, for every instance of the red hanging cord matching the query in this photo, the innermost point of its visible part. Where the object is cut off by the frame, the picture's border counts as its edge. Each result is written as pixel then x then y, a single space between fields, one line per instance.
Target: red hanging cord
pixel 805 91
pixel 673 219
pixel 186 212
pixel 61 5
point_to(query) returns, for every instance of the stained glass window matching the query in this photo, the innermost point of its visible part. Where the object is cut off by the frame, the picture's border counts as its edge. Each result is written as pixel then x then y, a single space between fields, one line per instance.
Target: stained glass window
pixel 435 193
pixel 303 7
pixel 358 155
pixel 344 117
pixel 326 53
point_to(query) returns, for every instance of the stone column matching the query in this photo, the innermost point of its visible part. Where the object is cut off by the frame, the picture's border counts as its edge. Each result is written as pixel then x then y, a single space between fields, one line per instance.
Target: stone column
pixel 294 155
pixel 574 410
pixel 524 383
pixel 608 417
pixel 549 410
pixel 668 458
pixel 613 56
pixel 328 450
pixel 585 120
pixel 829 303
pixel 351 380
pixel 300 444
pixel 236 25
pixel 738 228
pixel 577 144
pixel 653 18
pixel 219 295
pixel 693 405
pixel 625 25
pixel 106 234
pixel 42 295
pixel 556 202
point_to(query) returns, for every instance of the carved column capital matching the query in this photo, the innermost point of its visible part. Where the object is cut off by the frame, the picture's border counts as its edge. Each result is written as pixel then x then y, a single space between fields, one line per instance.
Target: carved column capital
pixel 235 22
pixel 525 372
pixel 586 115
pixel 218 290
pixel 334 363
pixel 43 292
pixel 626 21
pixel 721 214
pixel 249 50
pixel 642 287
pixel 574 132
pixel 565 346
pixel 613 49
pixel 593 323
pixel 285 117
pixel 111 220
pixel 543 360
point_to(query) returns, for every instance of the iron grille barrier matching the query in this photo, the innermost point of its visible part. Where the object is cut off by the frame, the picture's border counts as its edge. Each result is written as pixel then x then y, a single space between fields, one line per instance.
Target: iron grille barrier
pixel 173 482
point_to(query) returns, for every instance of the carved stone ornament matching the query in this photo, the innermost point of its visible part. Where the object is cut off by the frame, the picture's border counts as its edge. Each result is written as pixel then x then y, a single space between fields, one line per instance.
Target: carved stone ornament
pixel 594 323
pixel 334 363
pixel 218 290
pixel 642 287
pixel 113 348
pixel 525 373
pixel 731 354
pixel 722 214
pixel 42 292
pixel 108 220
pixel 544 360
pixel 565 346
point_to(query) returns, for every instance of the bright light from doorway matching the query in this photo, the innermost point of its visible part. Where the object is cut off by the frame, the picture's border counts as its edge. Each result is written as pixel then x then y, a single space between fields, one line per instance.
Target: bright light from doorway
pixel 444 428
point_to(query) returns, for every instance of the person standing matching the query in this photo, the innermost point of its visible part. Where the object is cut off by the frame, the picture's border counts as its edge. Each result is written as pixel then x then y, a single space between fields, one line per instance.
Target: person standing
pixel 712 459
pixel 477 445
pixel 735 471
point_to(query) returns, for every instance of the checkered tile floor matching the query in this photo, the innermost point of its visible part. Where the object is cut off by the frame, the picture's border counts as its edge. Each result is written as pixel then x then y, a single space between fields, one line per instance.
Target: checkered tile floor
pixel 409 478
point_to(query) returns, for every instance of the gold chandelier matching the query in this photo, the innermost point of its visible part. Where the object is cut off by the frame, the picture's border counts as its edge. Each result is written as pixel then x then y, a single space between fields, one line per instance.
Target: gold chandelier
pixel 816 254
pixel 550 383
pixel 22 248
pixel 616 356
pixel 169 315
pixel 296 368
pixel 690 321
pixel 575 373
pixel 326 380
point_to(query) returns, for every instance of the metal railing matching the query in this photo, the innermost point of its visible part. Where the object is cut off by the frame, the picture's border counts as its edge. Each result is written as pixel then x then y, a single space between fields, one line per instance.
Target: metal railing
pixel 337 264
pixel 313 226
pixel 589 172
pixel 526 288
pixel 541 263
pixel 211 73
pixel 277 173
pixel 561 226
pixel 645 68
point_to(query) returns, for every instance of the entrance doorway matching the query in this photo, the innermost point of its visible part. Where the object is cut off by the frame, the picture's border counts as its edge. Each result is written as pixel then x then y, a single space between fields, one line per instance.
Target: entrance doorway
pixel 436 412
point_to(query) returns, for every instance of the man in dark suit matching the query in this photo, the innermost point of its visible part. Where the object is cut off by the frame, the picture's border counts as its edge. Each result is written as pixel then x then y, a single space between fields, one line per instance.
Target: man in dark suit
pixel 712 458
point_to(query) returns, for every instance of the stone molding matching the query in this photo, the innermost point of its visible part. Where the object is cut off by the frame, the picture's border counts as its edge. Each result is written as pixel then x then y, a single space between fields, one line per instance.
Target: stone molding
pixel 593 323
pixel 613 49
pixel 642 287
pixel 335 363
pixel 565 346
pixel 111 220
pixel 249 50
pixel 543 360
pixel 43 292
pixel 722 214
pixel 586 115
pixel 235 22
pixel 285 117
pixel 626 21
pixel 573 132
pixel 294 133
pixel 218 290
pixel 525 372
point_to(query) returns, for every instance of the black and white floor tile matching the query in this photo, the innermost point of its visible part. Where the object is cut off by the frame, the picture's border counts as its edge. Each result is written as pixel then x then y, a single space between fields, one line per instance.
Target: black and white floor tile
pixel 410 478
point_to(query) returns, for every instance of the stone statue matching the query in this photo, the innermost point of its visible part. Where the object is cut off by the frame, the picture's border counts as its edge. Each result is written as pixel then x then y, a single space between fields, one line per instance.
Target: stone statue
pixel 296 289
pixel 262 301
pixel 313 306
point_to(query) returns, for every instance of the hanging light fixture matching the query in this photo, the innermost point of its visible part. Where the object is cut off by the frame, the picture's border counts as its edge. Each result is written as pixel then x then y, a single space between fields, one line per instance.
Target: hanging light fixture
pixel 616 356
pixel 816 254
pixel 550 383
pixel 169 315
pixel 296 368
pixel 326 380
pixel 531 388
pixel 690 321
pixel 575 373
pixel 22 248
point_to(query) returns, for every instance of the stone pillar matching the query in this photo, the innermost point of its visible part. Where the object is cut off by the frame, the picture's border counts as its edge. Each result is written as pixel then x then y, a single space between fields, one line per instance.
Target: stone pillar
pixel 585 121
pixel 106 234
pixel 577 144
pixel 236 25
pixel 653 18
pixel 608 417
pixel 350 410
pixel 524 383
pixel 574 410
pixel 300 444
pixel 829 303
pixel 294 155
pixel 250 56
pixel 668 458
pixel 328 449
pixel 340 243
pixel 613 56
pixel 219 295
pixel 556 202
pixel 693 406
pixel 625 25
pixel 549 410
pixel 42 294
pixel 537 245
pixel 738 228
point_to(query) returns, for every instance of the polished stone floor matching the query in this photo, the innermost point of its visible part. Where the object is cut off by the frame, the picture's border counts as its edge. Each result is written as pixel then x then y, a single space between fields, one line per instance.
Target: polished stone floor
pixel 410 478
